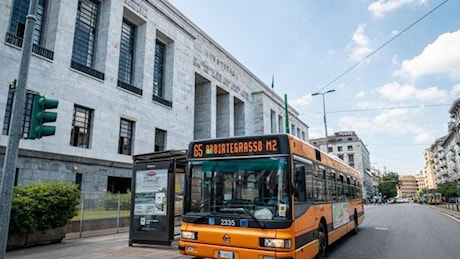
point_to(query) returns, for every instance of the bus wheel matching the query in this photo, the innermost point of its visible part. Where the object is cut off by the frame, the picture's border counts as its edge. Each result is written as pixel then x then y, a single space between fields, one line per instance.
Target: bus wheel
pixel 322 237
pixel 355 230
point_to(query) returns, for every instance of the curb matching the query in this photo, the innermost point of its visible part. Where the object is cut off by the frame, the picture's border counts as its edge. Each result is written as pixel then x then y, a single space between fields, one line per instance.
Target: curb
pixel 454 214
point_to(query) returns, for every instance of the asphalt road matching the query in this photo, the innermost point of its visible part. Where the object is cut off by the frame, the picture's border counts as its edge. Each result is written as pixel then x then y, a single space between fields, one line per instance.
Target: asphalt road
pixel 397 231
pixel 401 231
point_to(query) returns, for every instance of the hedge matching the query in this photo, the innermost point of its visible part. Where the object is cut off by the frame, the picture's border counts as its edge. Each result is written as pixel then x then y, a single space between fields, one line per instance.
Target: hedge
pixel 43 205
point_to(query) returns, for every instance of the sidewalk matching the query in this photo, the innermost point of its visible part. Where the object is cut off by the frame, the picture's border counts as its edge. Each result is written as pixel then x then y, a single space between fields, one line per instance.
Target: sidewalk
pixel 100 244
pixel 453 213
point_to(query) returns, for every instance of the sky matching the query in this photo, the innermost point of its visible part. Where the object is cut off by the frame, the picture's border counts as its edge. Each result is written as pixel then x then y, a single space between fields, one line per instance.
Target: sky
pixel 394 65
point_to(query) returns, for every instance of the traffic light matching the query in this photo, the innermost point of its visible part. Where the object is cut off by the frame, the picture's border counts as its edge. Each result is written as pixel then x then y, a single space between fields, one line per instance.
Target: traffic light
pixel 40 115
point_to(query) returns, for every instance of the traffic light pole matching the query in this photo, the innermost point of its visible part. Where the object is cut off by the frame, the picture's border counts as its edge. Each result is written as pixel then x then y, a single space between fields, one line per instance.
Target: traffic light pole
pixel 15 130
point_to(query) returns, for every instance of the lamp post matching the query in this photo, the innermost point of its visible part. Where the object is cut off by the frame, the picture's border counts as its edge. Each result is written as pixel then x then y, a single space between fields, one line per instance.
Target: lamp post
pixel 324 110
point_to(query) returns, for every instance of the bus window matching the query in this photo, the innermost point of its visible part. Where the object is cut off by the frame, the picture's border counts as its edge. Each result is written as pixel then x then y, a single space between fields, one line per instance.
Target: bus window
pixel 319 191
pixel 340 188
pixel 299 186
pixel 331 185
pixel 309 187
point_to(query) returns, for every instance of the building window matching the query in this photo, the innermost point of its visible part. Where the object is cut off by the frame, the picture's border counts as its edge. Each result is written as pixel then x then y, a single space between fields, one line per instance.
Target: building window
pixel 17 27
pixel 126 63
pixel 273 121
pixel 160 140
pixel 350 148
pixel 159 69
pixel 27 113
pixel 329 149
pixel 78 180
pixel 340 156
pixel 125 140
pixel 339 149
pixel 84 41
pixel 18 20
pixel 118 184
pixel 81 127
pixel 351 158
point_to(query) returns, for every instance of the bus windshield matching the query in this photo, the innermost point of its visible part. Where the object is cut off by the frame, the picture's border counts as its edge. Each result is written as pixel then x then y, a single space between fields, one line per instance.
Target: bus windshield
pixel 254 187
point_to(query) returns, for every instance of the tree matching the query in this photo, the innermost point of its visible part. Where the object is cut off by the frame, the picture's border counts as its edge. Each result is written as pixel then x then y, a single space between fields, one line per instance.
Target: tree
pixel 448 189
pixel 387 185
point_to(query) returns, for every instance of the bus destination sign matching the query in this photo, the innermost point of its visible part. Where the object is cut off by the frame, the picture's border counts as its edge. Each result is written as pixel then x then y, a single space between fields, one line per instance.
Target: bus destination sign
pixel 233 147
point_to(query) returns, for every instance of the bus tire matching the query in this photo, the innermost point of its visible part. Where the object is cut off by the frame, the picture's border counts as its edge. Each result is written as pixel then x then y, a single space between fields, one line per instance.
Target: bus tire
pixel 355 229
pixel 322 238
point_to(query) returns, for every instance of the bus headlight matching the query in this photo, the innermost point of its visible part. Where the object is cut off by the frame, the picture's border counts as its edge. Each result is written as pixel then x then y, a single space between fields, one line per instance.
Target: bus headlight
pixel 280 243
pixel 188 235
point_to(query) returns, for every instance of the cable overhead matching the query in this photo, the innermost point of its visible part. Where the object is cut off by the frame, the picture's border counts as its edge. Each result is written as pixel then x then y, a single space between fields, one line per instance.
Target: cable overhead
pixel 381 46
pixel 375 109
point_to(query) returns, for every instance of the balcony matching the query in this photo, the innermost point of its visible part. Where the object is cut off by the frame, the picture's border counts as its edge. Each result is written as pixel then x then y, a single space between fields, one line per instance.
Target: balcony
pixel 16 41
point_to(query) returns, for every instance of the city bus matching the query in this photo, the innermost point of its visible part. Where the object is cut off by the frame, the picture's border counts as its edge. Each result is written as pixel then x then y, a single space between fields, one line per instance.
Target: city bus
pixel 266 196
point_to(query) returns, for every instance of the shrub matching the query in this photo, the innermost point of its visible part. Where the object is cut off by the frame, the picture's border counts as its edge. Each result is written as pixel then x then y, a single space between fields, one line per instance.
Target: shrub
pixel 110 200
pixel 43 205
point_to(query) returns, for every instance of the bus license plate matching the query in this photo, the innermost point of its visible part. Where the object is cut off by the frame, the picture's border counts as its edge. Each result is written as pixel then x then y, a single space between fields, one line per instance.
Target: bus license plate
pixel 225 254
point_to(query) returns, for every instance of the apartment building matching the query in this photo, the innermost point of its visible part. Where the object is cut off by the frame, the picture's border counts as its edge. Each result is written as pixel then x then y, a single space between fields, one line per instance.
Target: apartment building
pixel 408 187
pixel 347 146
pixel 429 171
pixel 445 151
pixel 131 77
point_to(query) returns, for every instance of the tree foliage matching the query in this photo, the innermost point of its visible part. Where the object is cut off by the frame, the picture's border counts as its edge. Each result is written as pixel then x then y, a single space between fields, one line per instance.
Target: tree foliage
pixel 448 189
pixel 388 185
pixel 43 205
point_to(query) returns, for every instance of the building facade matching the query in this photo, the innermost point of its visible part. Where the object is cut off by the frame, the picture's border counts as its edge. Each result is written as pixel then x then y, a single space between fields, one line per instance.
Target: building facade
pixel 429 171
pixel 131 77
pixel 446 150
pixel 408 187
pixel 347 146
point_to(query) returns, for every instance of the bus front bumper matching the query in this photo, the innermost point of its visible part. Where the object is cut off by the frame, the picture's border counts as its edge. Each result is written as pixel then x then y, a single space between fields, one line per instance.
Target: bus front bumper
pixel 219 251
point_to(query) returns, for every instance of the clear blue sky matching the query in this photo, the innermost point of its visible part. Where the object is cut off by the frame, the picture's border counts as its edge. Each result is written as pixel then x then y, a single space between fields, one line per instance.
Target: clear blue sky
pixel 396 100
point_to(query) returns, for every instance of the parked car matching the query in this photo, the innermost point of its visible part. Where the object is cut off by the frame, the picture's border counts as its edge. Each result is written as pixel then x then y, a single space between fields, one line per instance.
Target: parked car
pixel 391 201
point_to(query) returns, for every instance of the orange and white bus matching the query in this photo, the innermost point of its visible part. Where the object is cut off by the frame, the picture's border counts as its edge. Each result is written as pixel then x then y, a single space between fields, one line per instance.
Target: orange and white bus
pixel 267 196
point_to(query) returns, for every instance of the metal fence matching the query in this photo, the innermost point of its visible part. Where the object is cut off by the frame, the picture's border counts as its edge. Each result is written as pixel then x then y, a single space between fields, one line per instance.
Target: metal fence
pixel 108 213
pixel 101 211
pixel 449 205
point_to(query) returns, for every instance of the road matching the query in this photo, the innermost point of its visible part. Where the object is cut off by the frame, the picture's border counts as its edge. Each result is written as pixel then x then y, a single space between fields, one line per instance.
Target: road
pixel 401 231
pixel 397 231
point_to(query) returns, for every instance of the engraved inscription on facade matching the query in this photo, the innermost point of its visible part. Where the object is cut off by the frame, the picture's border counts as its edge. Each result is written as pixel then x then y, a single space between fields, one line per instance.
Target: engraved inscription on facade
pixel 137 6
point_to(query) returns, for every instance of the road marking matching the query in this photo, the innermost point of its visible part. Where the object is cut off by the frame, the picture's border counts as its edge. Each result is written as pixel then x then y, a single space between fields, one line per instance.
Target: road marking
pixel 382 228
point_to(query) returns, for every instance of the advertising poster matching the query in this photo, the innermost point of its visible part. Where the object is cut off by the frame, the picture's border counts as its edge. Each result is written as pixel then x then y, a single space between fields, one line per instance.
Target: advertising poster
pixel 150 201
pixel 339 214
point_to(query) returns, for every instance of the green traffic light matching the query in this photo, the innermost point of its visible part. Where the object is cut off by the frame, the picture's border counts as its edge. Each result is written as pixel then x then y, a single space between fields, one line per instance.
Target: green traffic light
pixel 40 115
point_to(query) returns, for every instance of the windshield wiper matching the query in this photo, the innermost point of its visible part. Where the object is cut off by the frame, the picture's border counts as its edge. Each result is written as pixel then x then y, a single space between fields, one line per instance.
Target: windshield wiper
pixel 201 217
pixel 261 224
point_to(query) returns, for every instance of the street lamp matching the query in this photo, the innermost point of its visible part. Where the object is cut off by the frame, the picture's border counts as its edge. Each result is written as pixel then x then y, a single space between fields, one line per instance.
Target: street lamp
pixel 324 110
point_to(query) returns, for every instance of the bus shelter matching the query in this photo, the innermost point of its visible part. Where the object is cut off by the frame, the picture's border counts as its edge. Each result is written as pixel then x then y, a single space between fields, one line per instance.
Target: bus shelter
pixel 157 197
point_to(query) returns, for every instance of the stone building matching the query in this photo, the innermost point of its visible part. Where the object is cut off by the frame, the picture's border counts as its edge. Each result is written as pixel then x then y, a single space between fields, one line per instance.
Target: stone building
pixel 347 146
pixel 131 77
pixel 408 187
pixel 429 172
pixel 445 150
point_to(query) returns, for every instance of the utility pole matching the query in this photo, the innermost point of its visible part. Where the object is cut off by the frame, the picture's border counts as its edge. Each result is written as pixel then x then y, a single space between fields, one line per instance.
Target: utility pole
pixel 15 131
